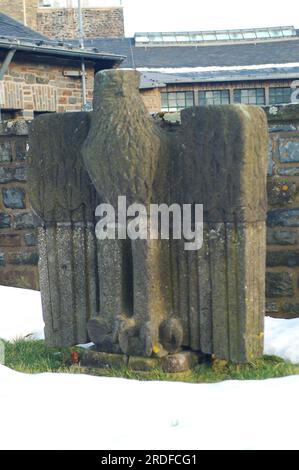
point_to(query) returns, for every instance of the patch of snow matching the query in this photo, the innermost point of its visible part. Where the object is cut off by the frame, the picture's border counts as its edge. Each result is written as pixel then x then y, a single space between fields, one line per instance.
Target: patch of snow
pixel 61 411
pixel 216 68
pixel 21 314
pixel 282 338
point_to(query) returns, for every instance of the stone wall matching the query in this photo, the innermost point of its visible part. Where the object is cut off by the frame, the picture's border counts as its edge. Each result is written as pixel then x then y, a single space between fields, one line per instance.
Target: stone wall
pixel 62 23
pixel 18 244
pixel 283 214
pixel 15 9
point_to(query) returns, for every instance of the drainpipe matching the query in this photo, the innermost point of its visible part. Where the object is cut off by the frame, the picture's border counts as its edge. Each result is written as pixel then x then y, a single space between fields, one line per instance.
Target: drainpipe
pixel 24 12
pixel 4 68
pixel 83 68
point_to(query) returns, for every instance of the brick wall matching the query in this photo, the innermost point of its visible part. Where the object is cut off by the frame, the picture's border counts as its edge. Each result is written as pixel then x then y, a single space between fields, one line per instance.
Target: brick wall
pixel 283 215
pixel 33 87
pixel 18 244
pixel 98 22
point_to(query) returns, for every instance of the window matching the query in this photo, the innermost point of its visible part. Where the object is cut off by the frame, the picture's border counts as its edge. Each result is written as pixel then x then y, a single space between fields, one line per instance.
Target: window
pixel 279 95
pixel 214 97
pixel 250 96
pixel 174 101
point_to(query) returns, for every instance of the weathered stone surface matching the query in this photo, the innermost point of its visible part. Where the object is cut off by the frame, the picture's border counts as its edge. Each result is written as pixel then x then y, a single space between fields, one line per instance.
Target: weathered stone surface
pixel 5 221
pixel 244 149
pixel 24 277
pixel 282 258
pixel 21 150
pixel 31 239
pixel 281 192
pixel 2 259
pixel 90 358
pixel 283 128
pixel 62 195
pixel 289 150
pixel 279 285
pixel 12 174
pixel 56 168
pixel 271 307
pixel 23 258
pixel 289 171
pixel 180 362
pixel 281 237
pixel 14 198
pixel 154 295
pixel 5 151
pixel 26 220
pixel 10 239
pixel 292 310
pixel 282 114
pixel 14 128
pixel 283 218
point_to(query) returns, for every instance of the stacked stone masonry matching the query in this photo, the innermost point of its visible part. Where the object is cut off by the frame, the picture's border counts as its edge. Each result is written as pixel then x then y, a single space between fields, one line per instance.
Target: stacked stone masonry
pixel 283 215
pixel 18 241
pixel 63 23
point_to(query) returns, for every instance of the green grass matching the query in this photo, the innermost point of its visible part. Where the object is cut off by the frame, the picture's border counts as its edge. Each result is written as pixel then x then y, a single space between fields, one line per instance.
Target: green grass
pixel 25 355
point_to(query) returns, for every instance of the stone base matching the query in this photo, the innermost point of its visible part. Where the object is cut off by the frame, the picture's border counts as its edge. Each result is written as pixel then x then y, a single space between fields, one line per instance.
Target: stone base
pixel 171 364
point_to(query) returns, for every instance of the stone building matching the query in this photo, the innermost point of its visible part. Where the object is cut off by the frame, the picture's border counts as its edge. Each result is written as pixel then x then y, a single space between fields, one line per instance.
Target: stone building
pixel 39 76
pixel 58 19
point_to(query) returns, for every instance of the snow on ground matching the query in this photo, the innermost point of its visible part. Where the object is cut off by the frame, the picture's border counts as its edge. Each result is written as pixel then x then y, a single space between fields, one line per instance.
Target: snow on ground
pixel 21 313
pixel 61 411
pixel 282 338
pixel 64 411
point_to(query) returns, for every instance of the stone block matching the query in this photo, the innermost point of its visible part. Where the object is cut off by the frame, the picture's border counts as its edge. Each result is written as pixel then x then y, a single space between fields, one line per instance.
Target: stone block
pixel 271 307
pixel 10 239
pixel 288 150
pixel 2 259
pixel 5 221
pixel 23 258
pixel 281 192
pixel 291 310
pixel 5 152
pixel 26 220
pixel 289 171
pixel 31 239
pixel 21 150
pixel 12 174
pixel 283 218
pixel 279 285
pixel 283 258
pixel 281 237
pixel 25 277
pixel 14 198
pixel 100 360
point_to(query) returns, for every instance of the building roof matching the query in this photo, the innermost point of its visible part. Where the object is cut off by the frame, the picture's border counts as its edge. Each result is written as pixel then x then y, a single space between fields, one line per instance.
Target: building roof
pixel 14 35
pixel 12 28
pixel 222 55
